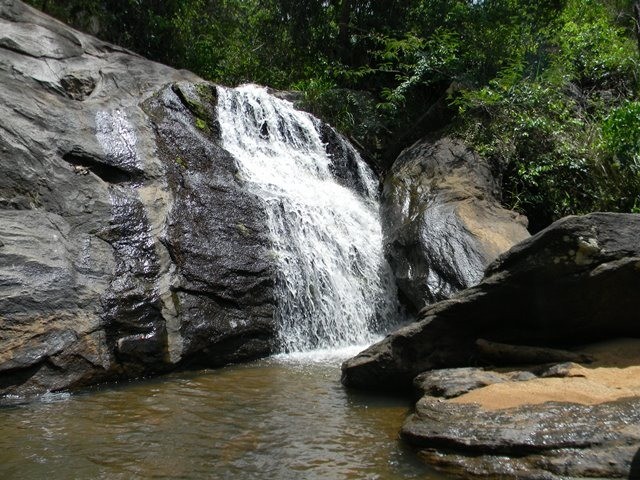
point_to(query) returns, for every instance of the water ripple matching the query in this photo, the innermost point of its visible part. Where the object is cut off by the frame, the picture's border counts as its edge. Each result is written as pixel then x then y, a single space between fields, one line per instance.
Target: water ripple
pixel 274 419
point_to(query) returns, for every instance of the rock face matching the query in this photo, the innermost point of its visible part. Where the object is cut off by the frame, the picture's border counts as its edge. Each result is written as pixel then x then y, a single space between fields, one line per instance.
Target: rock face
pixel 216 236
pixel 443 222
pixel 128 243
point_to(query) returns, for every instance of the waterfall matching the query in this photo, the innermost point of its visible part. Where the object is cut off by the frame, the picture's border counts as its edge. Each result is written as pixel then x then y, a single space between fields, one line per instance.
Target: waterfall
pixel 333 285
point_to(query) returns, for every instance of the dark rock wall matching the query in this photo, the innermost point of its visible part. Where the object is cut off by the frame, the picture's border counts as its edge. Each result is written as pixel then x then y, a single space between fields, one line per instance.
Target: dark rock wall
pixel 127 244
pixel 216 234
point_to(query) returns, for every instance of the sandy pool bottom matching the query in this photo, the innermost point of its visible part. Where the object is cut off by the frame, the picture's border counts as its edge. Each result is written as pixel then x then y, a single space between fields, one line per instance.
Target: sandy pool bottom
pixel 614 374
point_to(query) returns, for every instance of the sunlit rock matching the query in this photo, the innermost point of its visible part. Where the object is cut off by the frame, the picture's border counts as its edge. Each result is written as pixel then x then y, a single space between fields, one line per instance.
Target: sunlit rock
pixel 442 220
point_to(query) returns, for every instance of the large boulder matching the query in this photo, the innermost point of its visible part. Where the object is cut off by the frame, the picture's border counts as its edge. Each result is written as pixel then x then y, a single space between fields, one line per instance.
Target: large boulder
pixel 442 220
pixel 129 244
pixel 572 283
pixel 525 376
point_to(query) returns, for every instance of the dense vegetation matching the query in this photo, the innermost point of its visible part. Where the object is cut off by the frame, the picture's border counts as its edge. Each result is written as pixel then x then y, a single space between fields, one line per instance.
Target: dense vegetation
pixel 547 89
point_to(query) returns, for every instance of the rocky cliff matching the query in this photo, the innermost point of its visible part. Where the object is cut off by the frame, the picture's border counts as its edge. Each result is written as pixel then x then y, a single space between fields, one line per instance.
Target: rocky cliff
pixel 129 245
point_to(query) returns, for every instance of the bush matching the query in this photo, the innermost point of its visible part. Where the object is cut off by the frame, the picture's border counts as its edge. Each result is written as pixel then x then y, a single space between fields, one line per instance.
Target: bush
pixel 593 50
pixel 620 158
pixel 565 135
pixel 530 131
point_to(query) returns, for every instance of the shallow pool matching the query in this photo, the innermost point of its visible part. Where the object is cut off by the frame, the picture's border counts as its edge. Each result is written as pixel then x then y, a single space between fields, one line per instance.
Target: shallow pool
pixel 279 418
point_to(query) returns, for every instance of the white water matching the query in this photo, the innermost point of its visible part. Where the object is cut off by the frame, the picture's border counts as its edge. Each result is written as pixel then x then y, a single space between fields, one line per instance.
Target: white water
pixel 333 286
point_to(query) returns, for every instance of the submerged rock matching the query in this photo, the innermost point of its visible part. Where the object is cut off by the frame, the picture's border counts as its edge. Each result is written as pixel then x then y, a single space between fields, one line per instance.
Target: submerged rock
pixel 572 283
pixel 442 220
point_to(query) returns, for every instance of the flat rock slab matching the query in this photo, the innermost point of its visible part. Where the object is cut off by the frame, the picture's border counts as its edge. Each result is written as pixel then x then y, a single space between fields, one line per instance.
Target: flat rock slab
pixel 551 440
pixel 453 382
pixel 561 421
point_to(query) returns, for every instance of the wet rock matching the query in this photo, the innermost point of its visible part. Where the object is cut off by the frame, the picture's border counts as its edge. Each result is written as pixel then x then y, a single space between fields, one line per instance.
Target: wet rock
pixel 572 283
pixel 51 282
pixel 128 244
pixel 344 164
pixel 547 441
pixel 216 236
pixel 442 220
pixel 453 382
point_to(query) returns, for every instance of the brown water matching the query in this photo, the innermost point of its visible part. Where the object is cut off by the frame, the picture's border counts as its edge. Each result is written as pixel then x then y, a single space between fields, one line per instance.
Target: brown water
pixel 274 419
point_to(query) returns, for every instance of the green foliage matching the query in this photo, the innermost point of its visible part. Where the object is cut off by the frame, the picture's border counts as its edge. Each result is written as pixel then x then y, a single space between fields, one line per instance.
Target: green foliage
pixel 621 132
pixel 181 162
pixel 422 63
pixel 620 157
pixel 560 118
pixel 593 51
pixel 202 125
pixel 533 133
pixel 547 89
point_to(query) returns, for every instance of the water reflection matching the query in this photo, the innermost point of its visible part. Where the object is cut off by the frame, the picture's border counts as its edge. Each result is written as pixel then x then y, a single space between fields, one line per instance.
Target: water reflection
pixel 276 419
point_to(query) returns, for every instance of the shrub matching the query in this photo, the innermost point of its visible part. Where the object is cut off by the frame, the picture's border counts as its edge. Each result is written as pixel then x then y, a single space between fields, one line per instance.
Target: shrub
pixel 620 158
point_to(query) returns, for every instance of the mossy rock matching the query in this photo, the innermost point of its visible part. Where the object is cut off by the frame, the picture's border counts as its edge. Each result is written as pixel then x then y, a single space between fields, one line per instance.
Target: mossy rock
pixel 200 99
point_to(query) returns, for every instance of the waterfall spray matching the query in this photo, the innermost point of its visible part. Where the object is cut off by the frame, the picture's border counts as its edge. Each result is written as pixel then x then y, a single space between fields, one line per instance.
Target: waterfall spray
pixel 333 286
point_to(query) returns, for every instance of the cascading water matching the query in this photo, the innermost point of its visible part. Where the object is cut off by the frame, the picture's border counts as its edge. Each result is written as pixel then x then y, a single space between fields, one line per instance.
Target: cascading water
pixel 333 284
